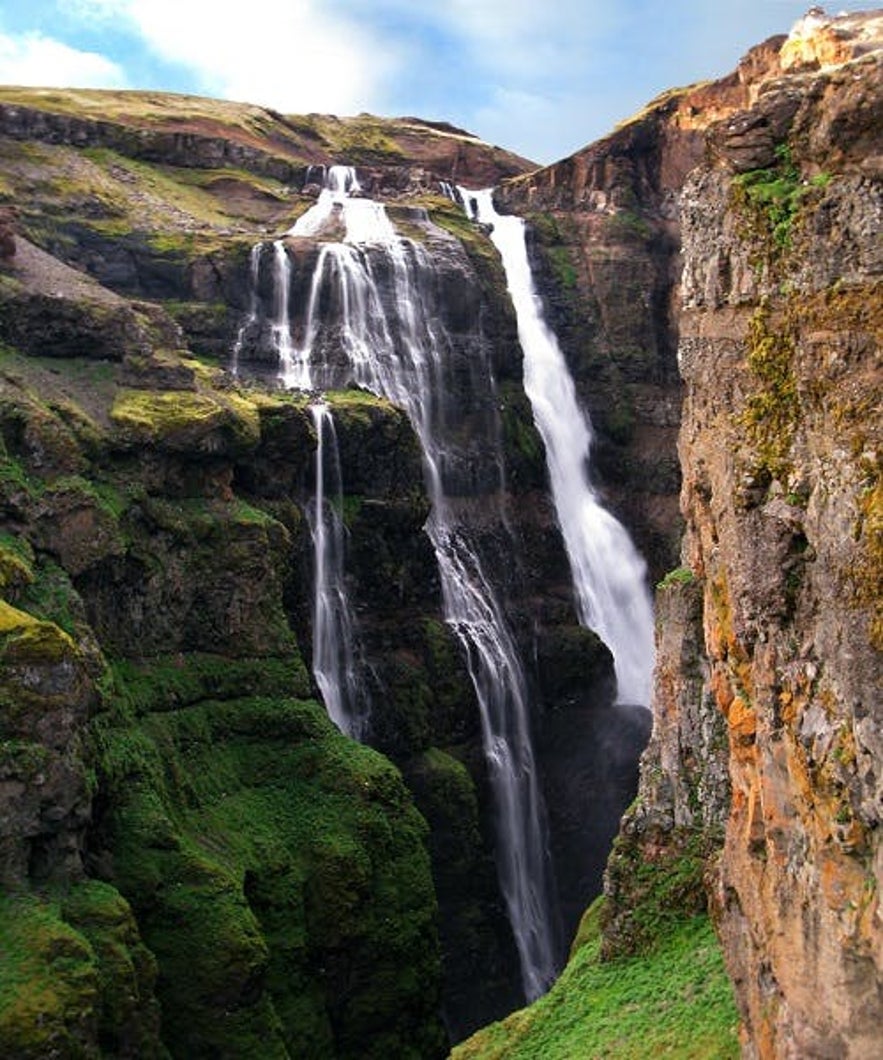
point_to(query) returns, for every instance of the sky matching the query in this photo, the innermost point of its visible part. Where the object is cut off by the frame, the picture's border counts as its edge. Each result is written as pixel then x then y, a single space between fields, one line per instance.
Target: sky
pixel 538 77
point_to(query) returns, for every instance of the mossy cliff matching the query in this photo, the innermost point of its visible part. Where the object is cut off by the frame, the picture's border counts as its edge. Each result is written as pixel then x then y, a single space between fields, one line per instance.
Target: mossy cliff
pixel 195 861
pixel 157 514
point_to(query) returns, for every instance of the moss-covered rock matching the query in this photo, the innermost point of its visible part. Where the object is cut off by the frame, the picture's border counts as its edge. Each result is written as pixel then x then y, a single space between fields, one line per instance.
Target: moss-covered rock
pixel 75 979
pixel 477 947
pixel 279 875
pixel 184 421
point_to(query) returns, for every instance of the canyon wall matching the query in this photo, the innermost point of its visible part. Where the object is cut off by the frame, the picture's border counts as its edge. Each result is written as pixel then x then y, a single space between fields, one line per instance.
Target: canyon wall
pixel 754 211
pixel 194 861
pixel 766 750
pixel 173 795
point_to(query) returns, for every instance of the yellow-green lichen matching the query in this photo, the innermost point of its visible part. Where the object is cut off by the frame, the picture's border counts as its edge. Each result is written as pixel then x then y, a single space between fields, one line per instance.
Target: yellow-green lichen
pixel 26 639
pixel 771 412
pixel 187 417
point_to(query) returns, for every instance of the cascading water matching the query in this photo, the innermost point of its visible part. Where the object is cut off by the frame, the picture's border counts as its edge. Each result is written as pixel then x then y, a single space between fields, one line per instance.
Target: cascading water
pixel 254 265
pixel 609 575
pixel 379 289
pixel 334 659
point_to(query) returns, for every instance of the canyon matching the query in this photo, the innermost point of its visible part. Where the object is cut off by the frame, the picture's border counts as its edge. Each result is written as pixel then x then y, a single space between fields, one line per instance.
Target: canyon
pixel 196 860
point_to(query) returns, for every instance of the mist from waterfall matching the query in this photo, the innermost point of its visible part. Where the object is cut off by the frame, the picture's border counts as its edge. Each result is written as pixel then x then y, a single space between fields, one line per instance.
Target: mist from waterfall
pixel 609 575
pixel 334 656
pixel 379 286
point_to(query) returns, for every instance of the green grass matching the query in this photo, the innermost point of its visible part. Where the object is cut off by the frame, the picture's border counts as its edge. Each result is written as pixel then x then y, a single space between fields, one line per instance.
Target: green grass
pixel 678 576
pixel 675 1000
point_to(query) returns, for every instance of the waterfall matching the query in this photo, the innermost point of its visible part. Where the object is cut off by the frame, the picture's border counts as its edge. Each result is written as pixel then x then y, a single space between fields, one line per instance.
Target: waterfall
pixel 280 326
pixel 254 266
pixel 374 293
pixel 339 184
pixel 334 657
pixel 609 576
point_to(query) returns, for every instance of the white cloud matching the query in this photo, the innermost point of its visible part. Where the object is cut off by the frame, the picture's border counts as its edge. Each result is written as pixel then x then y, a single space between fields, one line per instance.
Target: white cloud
pixel 289 54
pixel 519 39
pixel 34 59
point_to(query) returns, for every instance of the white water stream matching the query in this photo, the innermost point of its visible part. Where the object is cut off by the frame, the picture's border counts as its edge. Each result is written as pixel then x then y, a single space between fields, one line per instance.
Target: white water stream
pixel 609 575
pixel 334 656
pixel 381 288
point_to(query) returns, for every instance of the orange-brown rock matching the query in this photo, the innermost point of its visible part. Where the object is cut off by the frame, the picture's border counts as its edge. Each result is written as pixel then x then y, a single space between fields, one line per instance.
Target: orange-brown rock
pixel 779 349
pixel 780 327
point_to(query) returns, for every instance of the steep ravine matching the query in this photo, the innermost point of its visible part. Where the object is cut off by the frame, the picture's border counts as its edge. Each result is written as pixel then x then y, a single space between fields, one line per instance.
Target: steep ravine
pixel 202 864
pixel 194 862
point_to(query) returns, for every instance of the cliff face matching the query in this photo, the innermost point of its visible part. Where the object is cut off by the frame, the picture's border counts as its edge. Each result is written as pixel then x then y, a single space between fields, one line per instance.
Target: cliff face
pixel 180 818
pixel 767 720
pixel 184 831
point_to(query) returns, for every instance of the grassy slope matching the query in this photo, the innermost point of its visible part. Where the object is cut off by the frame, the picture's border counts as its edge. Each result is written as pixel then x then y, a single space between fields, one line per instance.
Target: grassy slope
pixel 304 139
pixel 674 1000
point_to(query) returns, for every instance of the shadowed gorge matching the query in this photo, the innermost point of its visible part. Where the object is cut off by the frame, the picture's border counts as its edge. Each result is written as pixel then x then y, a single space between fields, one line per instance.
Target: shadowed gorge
pixel 319 733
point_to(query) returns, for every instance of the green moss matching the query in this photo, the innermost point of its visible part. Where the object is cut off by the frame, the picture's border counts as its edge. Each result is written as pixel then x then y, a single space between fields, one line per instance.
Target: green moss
pixel 48 982
pixel 522 445
pixel 16 562
pixel 678 576
pixel 654 893
pixel 186 417
pixel 363 140
pixel 169 682
pixel 674 1001
pixel 450 216
pixel 25 639
pixel 52 597
pixel 618 420
pixel 773 196
pixel 628 224
pixel 127 1010
pixel 75 980
pixel 23 759
pixel 557 243
pixel 257 845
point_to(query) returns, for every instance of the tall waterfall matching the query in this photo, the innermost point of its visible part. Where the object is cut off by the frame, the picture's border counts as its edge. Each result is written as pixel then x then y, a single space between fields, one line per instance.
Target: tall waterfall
pixel 608 573
pixel 371 299
pixel 334 657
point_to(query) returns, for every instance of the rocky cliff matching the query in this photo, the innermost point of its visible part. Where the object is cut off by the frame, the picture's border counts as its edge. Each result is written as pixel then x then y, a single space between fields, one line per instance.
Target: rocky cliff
pixel 760 790
pixel 211 868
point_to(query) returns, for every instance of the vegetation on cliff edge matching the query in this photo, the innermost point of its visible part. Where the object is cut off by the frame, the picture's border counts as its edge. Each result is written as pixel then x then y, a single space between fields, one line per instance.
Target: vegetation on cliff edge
pixel 674 1000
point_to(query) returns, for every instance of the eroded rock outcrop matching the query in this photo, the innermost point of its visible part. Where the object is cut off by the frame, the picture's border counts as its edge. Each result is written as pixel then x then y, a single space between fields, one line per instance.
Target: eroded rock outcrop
pixel 767 717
